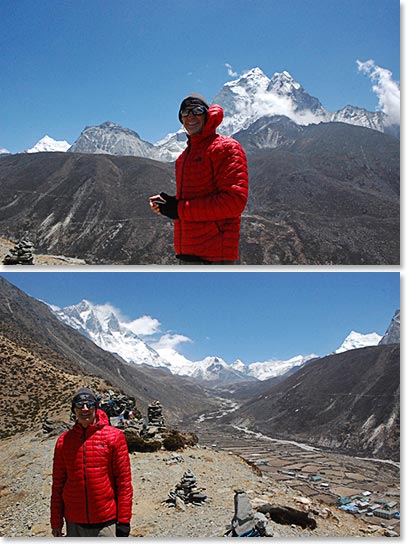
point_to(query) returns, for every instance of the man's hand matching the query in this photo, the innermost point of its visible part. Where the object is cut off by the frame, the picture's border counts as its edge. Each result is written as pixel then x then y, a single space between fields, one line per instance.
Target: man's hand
pixel 154 203
pixel 170 206
pixel 164 204
pixel 57 532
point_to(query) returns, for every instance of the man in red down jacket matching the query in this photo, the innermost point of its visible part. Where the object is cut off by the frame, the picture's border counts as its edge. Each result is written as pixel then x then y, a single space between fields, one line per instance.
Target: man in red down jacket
pixel 91 479
pixel 212 189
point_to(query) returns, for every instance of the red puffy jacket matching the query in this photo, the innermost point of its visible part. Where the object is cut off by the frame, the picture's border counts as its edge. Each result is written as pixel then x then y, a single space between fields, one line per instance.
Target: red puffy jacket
pixel 91 480
pixel 212 189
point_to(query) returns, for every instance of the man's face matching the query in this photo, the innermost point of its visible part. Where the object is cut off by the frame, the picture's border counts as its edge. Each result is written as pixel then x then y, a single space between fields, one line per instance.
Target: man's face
pixel 85 412
pixel 193 124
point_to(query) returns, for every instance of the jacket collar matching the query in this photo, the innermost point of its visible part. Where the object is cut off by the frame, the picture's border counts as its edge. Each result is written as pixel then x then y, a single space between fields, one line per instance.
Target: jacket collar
pixel 100 421
pixel 214 119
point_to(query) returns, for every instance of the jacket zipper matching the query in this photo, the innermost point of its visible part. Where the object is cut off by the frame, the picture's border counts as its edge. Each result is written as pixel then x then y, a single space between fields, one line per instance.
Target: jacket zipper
pixel 181 192
pixel 84 475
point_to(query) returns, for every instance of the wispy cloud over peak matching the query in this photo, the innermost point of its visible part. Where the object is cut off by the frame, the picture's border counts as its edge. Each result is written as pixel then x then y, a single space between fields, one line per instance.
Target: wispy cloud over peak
pixel 230 70
pixel 385 87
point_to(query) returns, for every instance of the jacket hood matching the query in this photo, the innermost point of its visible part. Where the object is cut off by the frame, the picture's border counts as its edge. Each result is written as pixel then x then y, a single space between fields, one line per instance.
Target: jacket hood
pixel 214 119
pixel 102 417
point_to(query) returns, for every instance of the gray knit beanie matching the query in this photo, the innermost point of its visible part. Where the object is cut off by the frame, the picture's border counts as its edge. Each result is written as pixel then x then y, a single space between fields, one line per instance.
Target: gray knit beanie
pixel 193 99
pixel 84 394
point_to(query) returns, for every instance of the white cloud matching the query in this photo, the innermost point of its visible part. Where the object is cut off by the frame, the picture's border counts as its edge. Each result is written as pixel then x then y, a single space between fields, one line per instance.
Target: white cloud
pixel 105 310
pixel 384 86
pixel 266 103
pixel 170 341
pixel 143 326
pixel 167 346
pixel 231 72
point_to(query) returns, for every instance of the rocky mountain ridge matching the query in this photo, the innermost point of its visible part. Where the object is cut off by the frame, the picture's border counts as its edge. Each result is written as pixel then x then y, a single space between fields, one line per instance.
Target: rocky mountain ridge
pixel 346 402
pixel 245 100
pixel 392 334
pixel 331 196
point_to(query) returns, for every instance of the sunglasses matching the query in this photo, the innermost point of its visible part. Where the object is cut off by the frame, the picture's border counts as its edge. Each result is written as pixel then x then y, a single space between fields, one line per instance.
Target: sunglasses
pixel 198 110
pixel 81 403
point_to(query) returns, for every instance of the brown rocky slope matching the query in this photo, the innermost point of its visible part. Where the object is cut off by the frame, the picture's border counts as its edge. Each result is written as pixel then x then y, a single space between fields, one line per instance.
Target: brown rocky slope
pixel 26 473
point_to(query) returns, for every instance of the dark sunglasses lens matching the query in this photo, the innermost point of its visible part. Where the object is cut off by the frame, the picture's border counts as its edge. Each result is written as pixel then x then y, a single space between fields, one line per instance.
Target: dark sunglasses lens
pixel 81 404
pixel 198 110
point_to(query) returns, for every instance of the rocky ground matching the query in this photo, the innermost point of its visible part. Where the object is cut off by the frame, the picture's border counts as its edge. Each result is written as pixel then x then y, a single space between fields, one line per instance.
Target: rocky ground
pixel 40 260
pixel 26 470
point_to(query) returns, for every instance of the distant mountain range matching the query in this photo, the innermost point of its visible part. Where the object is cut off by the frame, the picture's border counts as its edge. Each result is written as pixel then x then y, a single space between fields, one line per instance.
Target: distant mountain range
pixel 114 336
pixel 109 333
pixel 245 100
pixel 347 402
pixel 319 194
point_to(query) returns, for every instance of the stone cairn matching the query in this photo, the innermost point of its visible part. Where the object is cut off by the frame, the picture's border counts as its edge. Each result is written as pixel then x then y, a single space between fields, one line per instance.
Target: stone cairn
pixel 155 416
pixel 122 410
pixel 186 492
pixel 22 253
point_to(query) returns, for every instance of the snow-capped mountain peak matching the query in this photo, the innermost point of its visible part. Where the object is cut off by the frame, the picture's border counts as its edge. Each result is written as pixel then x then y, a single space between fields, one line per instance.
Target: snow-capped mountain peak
pixel 254 95
pixel 283 82
pixel 252 81
pixel 48 144
pixel 112 139
pixel 106 331
pixel 356 340
pixel 245 100
pixel 275 367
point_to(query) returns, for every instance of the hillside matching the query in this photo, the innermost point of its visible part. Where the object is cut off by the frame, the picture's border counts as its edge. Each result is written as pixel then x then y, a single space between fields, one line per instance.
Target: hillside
pixel 26 471
pixel 347 402
pixel 93 207
pixel 325 194
pixel 330 196
pixel 58 356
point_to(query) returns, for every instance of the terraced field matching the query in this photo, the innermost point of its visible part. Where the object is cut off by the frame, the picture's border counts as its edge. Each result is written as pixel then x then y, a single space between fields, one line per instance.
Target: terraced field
pixel 315 473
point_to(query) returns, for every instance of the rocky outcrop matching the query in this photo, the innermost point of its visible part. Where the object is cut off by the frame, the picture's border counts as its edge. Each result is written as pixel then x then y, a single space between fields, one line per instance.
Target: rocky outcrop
pixel 21 253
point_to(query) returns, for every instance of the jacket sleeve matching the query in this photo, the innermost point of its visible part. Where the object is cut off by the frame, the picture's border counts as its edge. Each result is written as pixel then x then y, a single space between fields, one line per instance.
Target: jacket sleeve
pixel 231 182
pixel 122 473
pixel 59 476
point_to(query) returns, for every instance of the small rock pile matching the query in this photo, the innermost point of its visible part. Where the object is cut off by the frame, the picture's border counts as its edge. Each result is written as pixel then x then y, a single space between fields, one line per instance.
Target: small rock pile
pixel 186 492
pixel 120 406
pixel 155 416
pixel 22 253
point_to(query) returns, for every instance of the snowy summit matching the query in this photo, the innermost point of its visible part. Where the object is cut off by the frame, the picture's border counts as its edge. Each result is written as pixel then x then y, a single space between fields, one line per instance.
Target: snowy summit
pixel 48 144
pixel 357 340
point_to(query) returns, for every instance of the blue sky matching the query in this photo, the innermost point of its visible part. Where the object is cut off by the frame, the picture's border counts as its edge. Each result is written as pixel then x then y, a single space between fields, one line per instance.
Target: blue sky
pixel 67 64
pixel 254 316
